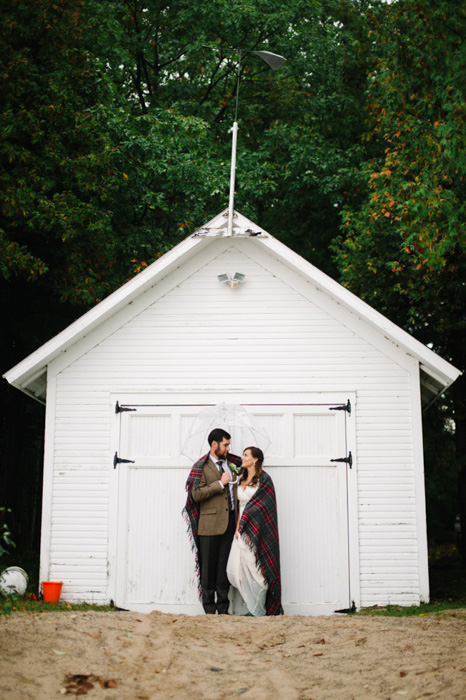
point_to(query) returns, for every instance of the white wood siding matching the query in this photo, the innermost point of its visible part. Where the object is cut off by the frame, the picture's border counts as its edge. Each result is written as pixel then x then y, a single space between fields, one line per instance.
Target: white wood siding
pixel 274 333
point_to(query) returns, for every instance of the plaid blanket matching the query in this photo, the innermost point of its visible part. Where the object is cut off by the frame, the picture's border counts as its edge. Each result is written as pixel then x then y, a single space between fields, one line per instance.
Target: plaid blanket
pixel 191 510
pixel 259 528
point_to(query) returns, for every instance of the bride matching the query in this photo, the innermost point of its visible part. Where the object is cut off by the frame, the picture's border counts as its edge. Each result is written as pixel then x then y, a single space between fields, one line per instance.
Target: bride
pixel 254 562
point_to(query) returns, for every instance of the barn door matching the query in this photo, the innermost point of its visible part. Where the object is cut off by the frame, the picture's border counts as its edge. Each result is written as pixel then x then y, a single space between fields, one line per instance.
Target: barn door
pixel 312 494
pixel 154 562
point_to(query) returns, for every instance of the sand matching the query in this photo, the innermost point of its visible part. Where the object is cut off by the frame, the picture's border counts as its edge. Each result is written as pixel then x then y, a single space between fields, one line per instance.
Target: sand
pixel 120 655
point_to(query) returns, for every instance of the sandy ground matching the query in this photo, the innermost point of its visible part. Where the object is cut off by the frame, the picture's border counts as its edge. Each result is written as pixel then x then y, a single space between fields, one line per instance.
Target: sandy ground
pixel 121 655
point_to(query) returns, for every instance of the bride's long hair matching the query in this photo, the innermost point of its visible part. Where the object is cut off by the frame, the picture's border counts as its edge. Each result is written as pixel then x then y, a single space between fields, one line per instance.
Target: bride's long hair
pixel 258 455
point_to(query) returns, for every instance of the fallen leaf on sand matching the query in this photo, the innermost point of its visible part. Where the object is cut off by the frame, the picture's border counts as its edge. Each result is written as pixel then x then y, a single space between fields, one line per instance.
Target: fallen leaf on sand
pixel 321 653
pixel 362 641
pixel 58 653
pixel 80 683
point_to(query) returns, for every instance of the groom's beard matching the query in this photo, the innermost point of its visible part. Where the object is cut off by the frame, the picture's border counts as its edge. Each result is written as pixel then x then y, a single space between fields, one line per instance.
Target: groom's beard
pixel 221 454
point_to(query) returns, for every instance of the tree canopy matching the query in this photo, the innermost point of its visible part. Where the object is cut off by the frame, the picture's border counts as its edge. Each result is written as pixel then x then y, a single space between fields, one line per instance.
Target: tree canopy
pixel 115 145
pixel 402 247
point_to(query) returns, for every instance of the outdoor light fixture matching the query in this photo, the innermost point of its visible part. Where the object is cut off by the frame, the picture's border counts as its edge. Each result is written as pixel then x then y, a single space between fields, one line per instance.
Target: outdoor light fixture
pixel 273 60
pixel 234 281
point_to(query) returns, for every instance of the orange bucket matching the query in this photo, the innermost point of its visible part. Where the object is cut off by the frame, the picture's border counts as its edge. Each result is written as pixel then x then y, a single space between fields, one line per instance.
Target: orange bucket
pixel 51 591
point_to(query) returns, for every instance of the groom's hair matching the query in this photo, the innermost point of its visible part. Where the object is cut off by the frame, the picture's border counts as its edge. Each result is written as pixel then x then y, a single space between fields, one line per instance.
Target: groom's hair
pixel 218 434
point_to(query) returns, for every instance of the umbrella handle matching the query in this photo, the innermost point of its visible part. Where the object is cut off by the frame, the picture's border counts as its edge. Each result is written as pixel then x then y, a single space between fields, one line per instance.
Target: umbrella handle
pixel 235 481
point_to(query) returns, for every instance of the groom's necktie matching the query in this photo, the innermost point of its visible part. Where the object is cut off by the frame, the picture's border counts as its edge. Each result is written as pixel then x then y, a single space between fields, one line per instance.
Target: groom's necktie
pixel 221 468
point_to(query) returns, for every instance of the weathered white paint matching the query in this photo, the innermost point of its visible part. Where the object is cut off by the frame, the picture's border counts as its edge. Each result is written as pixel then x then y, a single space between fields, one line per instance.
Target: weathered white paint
pixel 154 566
pixel 30 374
pixel 278 334
pixel 290 334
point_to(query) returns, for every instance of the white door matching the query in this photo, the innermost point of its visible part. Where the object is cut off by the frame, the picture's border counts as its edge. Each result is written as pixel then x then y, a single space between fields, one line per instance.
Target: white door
pixel 154 561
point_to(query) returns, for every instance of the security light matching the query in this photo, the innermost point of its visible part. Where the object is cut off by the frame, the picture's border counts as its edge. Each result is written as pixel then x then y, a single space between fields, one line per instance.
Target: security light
pixel 234 281
pixel 274 60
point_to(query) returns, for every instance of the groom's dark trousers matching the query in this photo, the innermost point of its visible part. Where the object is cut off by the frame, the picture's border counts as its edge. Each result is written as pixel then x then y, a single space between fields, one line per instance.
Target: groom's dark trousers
pixel 216 529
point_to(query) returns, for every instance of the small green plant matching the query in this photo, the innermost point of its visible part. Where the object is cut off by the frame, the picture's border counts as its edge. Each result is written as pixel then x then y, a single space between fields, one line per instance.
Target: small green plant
pixel 28 603
pixel 414 610
pixel 5 534
pixel 5 538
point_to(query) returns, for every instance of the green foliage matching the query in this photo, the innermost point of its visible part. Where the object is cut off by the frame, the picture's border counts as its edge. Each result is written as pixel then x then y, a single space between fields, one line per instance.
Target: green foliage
pixel 5 534
pixel 402 243
pixel 29 604
pixel 402 248
pixel 415 610
pixel 407 239
pixel 114 132
pixel 53 156
pixel 114 145
pixel 5 538
pixel 90 191
pixel 297 126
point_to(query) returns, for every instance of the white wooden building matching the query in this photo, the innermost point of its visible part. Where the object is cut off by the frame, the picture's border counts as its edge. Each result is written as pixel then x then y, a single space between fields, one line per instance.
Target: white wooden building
pixel 291 345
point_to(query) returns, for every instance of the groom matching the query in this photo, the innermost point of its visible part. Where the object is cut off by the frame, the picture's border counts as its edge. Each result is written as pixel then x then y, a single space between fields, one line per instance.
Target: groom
pixel 211 508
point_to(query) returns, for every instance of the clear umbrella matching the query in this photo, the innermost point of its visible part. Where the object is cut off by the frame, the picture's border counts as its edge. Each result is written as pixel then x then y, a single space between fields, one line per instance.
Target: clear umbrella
pixel 245 429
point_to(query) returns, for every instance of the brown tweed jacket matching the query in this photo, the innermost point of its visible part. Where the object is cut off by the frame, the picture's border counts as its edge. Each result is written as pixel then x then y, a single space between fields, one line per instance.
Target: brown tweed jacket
pixel 213 500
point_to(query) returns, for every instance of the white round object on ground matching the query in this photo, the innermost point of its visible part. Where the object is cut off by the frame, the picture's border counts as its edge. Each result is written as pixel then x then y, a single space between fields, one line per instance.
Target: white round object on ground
pixel 13 581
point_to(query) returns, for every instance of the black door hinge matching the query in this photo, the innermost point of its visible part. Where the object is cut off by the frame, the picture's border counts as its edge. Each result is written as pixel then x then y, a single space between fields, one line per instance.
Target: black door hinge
pixel 121 409
pixel 345 407
pixel 346 460
pixel 119 460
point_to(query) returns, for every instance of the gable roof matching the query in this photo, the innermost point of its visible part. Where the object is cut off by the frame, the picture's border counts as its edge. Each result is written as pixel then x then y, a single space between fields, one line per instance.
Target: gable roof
pixel 30 375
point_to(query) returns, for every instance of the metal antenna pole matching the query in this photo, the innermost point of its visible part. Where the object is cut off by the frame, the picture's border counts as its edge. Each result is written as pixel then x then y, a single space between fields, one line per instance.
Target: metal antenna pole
pixel 273 60
pixel 231 203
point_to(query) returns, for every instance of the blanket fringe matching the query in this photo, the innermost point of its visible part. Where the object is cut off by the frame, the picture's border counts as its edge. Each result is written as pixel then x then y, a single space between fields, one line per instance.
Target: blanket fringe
pixel 194 549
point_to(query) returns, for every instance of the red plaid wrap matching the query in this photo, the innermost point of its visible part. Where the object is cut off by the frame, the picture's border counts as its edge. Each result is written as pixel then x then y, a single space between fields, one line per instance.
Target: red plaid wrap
pixel 259 528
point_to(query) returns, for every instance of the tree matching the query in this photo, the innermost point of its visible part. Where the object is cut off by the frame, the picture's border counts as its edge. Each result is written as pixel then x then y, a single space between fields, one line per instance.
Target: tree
pixel 115 145
pixel 89 190
pixel 403 248
pixel 297 127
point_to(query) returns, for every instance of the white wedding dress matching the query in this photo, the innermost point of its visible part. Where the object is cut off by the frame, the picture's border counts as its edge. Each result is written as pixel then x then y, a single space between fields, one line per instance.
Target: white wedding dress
pixel 242 570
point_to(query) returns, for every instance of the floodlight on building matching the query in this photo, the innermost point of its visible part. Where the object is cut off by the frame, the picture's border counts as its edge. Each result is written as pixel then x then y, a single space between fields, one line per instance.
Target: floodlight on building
pixel 232 282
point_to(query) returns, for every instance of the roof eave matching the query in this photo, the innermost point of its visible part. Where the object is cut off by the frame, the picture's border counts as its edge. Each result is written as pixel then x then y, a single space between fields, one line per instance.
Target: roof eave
pixel 22 374
pixel 439 369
